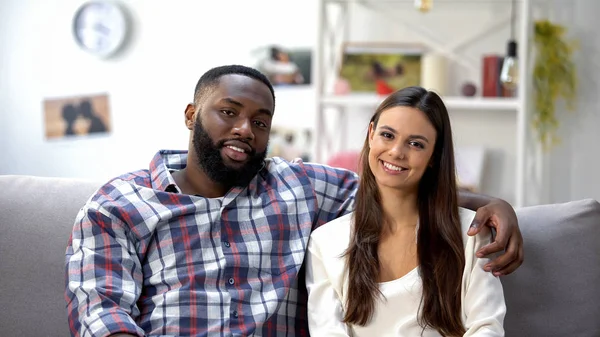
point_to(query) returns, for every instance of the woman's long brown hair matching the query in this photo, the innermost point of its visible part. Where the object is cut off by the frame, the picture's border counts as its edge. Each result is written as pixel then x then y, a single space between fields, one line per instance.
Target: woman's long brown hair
pixel 440 249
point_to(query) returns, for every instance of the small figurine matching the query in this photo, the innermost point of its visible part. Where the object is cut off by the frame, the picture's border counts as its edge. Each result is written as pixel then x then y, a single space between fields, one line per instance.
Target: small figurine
pixel 469 89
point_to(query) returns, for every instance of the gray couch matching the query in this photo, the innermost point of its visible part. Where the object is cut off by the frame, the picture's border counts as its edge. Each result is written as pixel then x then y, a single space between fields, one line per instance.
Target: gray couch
pixel 556 291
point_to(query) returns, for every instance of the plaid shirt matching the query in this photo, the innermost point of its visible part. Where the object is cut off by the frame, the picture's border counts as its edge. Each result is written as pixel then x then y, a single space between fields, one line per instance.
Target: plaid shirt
pixel 148 260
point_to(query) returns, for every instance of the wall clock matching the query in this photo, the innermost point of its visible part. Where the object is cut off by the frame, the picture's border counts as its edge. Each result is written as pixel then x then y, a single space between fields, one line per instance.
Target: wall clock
pixel 101 27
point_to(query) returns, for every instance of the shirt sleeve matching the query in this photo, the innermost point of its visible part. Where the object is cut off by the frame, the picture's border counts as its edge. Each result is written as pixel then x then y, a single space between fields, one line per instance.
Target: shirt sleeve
pixel 325 314
pixel 484 304
pixel 103 275
pixel 335 190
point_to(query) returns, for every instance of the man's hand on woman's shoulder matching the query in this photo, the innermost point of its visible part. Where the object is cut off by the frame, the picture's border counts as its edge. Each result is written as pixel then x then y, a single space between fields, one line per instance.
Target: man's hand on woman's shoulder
pixel 500 215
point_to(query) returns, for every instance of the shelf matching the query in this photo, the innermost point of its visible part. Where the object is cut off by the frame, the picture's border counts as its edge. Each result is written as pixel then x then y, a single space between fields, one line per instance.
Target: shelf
pixel 377 21
pixel 452 103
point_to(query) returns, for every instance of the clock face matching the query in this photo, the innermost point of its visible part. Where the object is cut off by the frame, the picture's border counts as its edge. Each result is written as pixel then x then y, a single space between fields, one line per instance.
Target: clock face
pixel 100 27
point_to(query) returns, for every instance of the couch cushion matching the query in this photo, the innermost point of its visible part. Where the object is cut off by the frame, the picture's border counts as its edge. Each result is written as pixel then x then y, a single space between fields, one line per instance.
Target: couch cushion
pixel 36 218
pixel 555 292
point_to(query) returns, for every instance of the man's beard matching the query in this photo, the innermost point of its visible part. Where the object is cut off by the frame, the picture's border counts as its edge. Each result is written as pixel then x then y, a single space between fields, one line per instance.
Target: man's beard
pixel 211 161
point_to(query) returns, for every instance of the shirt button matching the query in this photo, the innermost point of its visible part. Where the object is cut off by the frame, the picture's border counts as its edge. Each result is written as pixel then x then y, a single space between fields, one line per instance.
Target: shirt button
pixel 231 281
pixel 235 314
pixel 227 244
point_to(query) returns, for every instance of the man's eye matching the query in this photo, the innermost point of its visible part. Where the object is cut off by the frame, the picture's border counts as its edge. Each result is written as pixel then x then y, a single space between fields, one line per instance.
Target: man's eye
pixel 228 112
pixel 260 124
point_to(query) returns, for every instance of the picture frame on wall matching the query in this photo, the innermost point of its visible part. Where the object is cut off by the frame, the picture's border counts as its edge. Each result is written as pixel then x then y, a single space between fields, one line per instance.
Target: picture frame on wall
pixel 77 116
pixel 381 67
pixel 290 143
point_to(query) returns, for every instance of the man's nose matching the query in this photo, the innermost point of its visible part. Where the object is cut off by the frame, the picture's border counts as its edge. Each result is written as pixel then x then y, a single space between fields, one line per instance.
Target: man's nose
pixel 243 129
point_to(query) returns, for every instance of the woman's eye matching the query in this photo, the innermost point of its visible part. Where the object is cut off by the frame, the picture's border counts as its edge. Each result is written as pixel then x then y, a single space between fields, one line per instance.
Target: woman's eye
pixel 387 135
pixel 417 144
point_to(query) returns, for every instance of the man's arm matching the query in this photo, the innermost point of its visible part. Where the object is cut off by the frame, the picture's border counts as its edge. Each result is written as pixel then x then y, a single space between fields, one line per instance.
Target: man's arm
pixel 500 215
pixel 103 275
pixel 334 188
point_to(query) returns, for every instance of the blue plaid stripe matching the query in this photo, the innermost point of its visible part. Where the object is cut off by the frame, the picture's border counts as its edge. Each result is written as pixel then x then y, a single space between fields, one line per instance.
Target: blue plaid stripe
pixel 147 260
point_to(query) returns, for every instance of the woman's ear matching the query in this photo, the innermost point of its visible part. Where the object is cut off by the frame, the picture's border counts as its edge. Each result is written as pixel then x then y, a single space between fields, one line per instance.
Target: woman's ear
pixel 431 161
pixel 371 133
pixel 190 116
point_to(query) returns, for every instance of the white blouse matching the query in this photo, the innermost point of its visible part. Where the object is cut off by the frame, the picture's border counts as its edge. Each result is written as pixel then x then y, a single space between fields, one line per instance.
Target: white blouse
pixel 396 314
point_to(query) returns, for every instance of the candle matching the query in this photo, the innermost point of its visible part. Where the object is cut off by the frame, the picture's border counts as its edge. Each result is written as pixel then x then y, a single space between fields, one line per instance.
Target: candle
pixel 434 73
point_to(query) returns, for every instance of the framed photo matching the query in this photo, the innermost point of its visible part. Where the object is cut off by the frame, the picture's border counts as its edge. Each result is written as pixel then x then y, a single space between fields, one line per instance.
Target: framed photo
pixel 370 66
pixel 290 143
pixel 285 66
pixel 77 116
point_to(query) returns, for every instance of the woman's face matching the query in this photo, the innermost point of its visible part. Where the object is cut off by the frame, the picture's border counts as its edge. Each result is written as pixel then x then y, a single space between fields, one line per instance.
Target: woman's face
pixel 401 147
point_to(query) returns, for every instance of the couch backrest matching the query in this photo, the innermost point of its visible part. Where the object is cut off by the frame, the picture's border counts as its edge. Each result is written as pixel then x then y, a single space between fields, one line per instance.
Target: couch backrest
pixel 36 219
pixel 554 293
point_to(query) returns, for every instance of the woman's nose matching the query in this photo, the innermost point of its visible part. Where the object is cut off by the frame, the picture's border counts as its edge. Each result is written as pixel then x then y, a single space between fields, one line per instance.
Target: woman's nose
pixel 398 151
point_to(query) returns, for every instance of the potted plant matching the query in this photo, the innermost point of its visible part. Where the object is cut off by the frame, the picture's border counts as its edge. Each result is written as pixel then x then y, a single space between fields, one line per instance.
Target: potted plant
pixel 554 78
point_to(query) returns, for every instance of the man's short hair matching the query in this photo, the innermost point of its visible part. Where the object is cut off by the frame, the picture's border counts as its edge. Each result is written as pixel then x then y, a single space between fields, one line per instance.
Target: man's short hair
pixel 210 79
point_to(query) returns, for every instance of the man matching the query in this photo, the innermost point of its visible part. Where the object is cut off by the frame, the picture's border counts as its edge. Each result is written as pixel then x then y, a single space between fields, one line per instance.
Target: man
pixel 210 242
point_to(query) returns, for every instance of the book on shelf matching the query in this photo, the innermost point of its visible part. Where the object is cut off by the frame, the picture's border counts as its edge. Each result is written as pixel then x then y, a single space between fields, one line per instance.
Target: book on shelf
pixel 491 84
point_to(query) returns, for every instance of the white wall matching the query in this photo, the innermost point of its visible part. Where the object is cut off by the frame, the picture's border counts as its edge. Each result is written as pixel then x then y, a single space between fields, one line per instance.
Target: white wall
pixel 3 81
pixel 149 84
pixel 575 164
pixel 175 42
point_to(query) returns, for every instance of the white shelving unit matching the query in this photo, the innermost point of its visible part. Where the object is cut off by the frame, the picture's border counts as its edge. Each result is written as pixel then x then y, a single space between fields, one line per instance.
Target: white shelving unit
pixel 476 103
pixel 332 109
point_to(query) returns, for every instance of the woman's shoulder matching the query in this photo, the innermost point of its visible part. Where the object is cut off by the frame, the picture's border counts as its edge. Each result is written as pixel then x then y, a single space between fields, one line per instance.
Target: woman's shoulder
pixel 466 219
pixel 342 223
pixel 333 237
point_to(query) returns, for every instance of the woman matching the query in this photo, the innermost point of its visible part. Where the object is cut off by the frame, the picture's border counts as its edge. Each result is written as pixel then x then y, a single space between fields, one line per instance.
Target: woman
pixel 402 264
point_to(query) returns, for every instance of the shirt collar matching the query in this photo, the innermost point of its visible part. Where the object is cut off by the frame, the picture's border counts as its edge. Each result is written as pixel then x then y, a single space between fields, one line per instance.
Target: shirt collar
pixel 165 161
pixel 160 166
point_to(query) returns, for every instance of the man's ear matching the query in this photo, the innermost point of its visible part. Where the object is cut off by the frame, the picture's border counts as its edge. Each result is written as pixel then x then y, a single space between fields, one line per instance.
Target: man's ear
pixel 190 116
